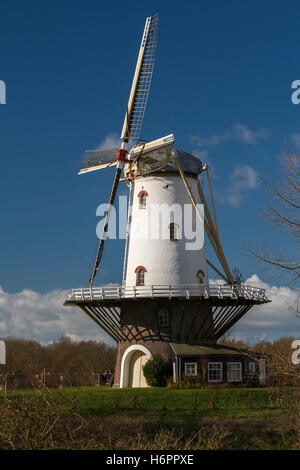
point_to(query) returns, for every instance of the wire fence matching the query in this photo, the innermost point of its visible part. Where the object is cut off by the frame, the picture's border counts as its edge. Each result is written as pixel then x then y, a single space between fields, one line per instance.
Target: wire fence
pixel 170 401
pixel 204 401
pixel 95 400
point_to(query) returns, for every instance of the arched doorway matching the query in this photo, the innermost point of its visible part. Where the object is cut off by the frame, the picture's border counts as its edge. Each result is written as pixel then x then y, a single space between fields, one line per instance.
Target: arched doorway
pixel 137 379
pixel 133 360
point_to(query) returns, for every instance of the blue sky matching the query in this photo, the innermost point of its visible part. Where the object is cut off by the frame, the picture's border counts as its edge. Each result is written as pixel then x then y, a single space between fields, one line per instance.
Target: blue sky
pixel 223 72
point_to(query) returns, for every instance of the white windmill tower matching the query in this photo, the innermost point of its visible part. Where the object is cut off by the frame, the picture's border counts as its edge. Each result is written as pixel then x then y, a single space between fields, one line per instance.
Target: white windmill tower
pixel 165 297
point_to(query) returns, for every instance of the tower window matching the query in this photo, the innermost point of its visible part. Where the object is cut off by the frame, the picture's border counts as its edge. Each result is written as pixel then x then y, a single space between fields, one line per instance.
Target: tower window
pixel 200 277
pixel 163 318
pixel 173 231
pixel 142 199
pixel 140 275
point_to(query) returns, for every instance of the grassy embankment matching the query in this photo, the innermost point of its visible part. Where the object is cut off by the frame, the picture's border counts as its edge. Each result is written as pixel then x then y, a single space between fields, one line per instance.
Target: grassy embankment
pixel 222 402
pixel 153 418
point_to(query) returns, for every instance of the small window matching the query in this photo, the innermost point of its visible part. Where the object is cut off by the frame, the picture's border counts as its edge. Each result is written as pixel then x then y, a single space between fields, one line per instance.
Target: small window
pixel 173 232
pixel 251 368
pixel 142 199
pixel 234 371
pixel 190 368
pixel 163 318
pixel 140 275
pixel 215 371
pixel 200 277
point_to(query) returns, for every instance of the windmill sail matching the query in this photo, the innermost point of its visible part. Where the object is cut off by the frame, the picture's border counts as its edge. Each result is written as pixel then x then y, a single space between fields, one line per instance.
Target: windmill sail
pixel 141 81
pixel 144 147
pixel 154 160
pixel 133 117
pixel 98 159
pixel 147 157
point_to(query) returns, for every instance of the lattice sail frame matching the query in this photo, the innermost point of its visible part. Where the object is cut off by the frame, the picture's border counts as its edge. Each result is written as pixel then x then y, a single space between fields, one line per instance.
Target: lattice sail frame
pixel 141 82
pixel 150 162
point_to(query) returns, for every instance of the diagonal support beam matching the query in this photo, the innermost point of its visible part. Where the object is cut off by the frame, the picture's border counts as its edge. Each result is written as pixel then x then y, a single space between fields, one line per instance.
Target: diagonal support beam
pixel 215 234
pixel 208 228
pixel 216 270
pixel 212 202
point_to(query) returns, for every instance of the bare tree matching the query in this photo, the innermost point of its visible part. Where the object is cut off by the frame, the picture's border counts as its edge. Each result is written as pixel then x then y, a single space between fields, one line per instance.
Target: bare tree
pixel 282 213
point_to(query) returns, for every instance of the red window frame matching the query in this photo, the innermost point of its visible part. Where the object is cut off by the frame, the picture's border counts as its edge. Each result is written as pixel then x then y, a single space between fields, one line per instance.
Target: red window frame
pixel 140 194
pixel 137 271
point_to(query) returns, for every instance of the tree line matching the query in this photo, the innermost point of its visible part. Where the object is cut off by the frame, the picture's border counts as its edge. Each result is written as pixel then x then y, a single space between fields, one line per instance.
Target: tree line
pixel 67 363
pixel 63 362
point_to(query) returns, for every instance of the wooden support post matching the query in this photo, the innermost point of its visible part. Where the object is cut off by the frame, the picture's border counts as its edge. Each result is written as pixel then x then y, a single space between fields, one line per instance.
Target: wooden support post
pixel 219 252
pixel 217 271
pixel 213 202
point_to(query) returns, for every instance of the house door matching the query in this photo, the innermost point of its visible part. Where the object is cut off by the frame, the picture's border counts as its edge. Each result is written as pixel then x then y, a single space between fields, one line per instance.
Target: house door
pixel 138 359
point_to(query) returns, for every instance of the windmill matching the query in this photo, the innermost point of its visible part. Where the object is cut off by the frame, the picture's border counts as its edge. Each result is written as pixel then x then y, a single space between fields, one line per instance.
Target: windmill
pixel 165 301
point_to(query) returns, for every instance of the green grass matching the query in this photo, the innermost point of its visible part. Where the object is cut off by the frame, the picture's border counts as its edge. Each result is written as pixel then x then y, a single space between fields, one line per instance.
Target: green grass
pixel 151 418
pixel 164 402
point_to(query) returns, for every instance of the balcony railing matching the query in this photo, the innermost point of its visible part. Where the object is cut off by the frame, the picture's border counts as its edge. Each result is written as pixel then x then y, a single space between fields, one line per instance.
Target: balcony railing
pixel 186 291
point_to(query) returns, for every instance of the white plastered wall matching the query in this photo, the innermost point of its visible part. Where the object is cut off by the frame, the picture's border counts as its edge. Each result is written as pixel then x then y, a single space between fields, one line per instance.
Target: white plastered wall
pixel 166 262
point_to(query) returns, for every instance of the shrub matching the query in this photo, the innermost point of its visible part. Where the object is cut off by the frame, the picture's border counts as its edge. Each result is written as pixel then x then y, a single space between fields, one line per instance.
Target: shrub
pixel 41 421
pixel 191 381
pixel 155 371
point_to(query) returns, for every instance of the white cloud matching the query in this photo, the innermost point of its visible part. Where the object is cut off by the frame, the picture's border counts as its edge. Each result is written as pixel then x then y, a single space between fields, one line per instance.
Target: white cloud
pixel 110 141
pixel 243 179
pixel 72 337
pixel 238 132
pixel 272 320
pixel 42 317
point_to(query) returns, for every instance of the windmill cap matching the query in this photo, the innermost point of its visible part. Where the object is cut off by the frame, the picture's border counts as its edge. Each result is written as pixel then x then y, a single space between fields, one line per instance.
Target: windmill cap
pixel 190 163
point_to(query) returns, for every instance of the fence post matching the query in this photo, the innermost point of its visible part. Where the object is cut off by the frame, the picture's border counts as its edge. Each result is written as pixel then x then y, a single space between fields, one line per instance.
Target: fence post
pixel 212 401
pixel 165 402
pixel 250 401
